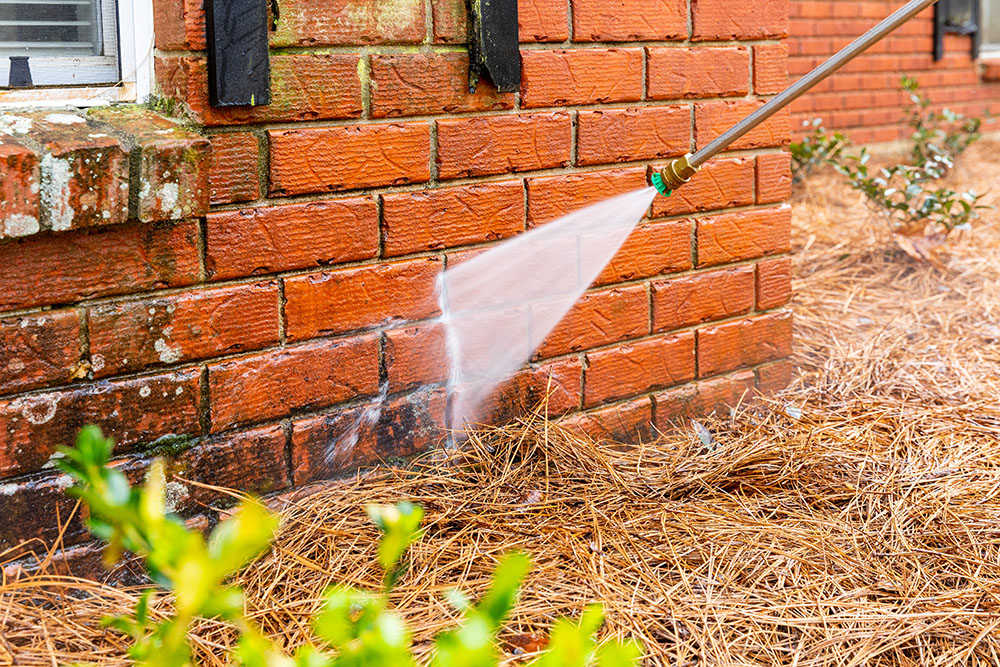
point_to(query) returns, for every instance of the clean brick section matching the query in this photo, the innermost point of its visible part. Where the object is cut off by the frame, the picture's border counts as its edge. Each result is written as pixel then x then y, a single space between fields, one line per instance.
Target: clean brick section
pixel 743 343
pixel 503 144
pixel 675 72
pixel 584 76
pixel 629 20
pixel 624 135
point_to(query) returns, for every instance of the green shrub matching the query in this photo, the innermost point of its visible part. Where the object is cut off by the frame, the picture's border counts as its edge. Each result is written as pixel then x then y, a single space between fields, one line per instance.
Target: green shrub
pixel 356 628
pixel 817 147
pixel 937 137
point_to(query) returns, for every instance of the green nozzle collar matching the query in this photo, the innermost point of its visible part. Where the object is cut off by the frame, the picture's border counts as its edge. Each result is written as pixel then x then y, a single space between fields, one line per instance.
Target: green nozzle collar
pixel 659 184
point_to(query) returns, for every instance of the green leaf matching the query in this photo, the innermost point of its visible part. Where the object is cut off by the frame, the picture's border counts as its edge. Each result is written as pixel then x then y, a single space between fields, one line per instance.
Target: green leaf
pixel 507 578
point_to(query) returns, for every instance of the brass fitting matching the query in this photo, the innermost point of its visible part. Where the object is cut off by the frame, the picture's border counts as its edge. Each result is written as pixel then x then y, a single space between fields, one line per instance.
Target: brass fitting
pixel 678 172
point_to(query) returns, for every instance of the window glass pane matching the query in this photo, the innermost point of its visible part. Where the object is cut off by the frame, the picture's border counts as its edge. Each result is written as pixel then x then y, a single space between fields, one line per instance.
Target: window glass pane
pixel 991 23
pixel 50 28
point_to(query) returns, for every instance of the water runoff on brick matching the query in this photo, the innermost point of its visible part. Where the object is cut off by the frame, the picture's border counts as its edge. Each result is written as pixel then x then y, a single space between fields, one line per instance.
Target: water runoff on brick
pixel 500 305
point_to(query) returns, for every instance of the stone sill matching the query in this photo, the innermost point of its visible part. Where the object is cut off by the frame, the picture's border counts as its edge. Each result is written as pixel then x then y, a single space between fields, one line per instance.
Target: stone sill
pixel 64 170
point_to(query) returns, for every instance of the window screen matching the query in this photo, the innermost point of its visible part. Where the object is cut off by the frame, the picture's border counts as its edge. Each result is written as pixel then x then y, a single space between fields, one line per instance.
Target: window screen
pixel 58 43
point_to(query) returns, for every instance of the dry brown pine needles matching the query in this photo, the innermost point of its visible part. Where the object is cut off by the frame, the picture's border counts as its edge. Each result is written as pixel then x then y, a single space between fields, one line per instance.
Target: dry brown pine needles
pixel 863 530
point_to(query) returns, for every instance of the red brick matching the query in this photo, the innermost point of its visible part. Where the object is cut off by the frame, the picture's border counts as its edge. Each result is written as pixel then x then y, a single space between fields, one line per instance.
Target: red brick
pixel 503 144
pixel 29 509
pixel 543 20
pixel 234 175
pixel 313 23
pixel 451 24
pixel 134 335
pixel 330 445
pixel 314 86
pixel 676 72
pixel 332 159
pixel 556 386
pixel 622 135
pixel 296 236
pixel 714 118
pixel 414 84
pixel 325 303
pixel 275 384
pixel 699 399
pixel 721 183
pixel 415 356
pixel 446 218
pixel 19 189
pixel 724 19
pixel 730 237
pixel 180 25
pixel 627 422
pixel 132 411
pixel 60 268
pixel 581 76
pixel 774 283
pixel 638 367
pixel 38 350
pixel 702 297
pixel 770 68
pixel 772 378
pixel 552 197
pixel 223 461
pixel 599 318
pixel 774 178
pixel 629 20
pixel 651 250
pixel 743 343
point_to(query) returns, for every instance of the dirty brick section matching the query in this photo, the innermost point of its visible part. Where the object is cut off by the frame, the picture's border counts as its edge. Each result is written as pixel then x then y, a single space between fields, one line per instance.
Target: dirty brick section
pixel 234 303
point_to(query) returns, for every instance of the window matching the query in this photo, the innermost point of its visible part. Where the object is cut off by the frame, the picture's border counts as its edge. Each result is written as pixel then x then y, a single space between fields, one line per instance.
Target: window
pixel 75 50
pixel 991 28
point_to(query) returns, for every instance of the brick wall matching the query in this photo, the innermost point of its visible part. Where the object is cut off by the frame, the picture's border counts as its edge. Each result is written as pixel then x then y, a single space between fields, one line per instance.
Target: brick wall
pixel 865 97
pixel 242 343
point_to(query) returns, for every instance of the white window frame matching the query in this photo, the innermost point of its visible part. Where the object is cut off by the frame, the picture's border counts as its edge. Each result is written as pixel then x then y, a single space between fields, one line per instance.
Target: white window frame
pixel 135 53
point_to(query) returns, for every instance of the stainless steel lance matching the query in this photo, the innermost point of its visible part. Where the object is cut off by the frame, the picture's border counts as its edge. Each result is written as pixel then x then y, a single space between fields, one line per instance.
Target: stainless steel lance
pixel 680 171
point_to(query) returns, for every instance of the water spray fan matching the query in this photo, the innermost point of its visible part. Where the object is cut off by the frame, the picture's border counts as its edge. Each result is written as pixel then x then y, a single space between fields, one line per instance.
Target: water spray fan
pixel 680 171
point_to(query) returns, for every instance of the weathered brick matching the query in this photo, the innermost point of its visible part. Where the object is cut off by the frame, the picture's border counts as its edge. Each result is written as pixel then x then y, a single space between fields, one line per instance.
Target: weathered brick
pixel 414 84
pixel 59 268
pixel 772 378
pixel 19 189
pixel 451 24
pixel 296 236
pixel 276 384
pixel 180 25
pixel 636 368
pixel 622 135
pixel 721 183
pixel 627 422
pixel 338 301
pixel 334 22
pixel 629 20
pixel 743 343
pixel 38 350
pixel 333 159
pixel 29 507
pixel 329 445
pixel 774 178
pixel 702 297
pixel 730 237
pixel 415 356
pixel 713 118
pixel 555 385
pixel 543 20
pixel 698 399
pixel 599 318
pixel 774 283
pixel 446 218
pixel 581 76
pixel 133 335
pixel 503 144
pixel 133 411
pixel 651 249
pixel 84 173
pixel 555 196
pixel 234 174
pixel 171 163
pixel 313 86
pixel 770 68
pixel 680 72
pixel 724 19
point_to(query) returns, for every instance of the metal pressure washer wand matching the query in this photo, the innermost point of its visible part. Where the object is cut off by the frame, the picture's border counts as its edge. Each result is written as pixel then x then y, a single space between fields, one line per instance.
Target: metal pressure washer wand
pixel 680 171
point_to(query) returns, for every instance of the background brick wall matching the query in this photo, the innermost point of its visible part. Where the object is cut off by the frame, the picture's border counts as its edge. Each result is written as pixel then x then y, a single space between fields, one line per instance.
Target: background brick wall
pixel 865 97
pixel 242 344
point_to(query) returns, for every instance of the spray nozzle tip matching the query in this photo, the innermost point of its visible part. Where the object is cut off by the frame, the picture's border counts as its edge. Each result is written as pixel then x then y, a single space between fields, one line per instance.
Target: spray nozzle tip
pixel 659 184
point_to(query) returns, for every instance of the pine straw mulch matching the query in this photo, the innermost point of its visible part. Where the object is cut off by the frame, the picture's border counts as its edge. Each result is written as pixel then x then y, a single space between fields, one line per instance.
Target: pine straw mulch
pixel 855 521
